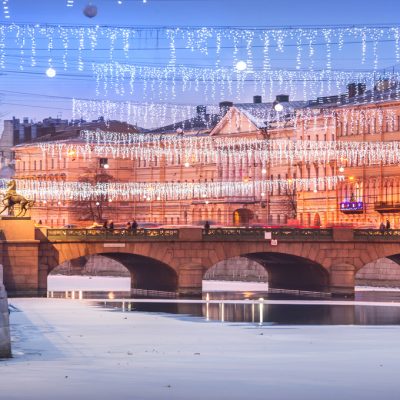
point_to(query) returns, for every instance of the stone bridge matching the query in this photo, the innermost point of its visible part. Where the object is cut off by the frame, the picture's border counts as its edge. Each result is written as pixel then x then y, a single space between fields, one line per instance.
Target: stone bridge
pixel 177 259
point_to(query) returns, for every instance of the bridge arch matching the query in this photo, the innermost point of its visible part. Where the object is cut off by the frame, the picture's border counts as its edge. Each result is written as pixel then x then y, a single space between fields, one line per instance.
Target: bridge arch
pixel 146 272
pixel 150 264
pixel 287 271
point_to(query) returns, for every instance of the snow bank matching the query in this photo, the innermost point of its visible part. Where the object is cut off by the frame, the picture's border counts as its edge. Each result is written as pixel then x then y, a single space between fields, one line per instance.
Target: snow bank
pixel 88 283
pixel 68 349
pixel 234 286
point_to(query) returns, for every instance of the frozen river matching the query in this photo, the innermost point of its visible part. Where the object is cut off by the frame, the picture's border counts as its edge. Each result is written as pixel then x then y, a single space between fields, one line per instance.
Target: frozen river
pixel 68 349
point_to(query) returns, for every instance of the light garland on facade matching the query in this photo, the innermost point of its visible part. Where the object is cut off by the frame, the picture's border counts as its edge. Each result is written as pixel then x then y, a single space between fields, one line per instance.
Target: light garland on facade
pixel 140 191
pixel 206 149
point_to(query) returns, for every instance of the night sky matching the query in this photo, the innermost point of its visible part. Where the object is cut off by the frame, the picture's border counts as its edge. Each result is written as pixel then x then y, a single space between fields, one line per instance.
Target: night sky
pixel 26 91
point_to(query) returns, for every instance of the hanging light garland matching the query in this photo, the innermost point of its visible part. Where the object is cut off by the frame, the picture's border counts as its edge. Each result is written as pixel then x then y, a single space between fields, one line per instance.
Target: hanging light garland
pixel 206 149
pixel 358 118
pixel 240 41
pixel 146 114
pixel 138 191
pixel 164 82
pixel 6 10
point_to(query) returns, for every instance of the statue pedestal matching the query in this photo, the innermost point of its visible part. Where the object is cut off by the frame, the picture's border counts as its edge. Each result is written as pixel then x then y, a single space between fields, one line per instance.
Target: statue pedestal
pixel 17 228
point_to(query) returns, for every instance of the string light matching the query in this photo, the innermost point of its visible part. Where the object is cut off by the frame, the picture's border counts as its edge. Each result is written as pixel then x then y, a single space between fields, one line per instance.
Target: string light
pixel 202 39
pixel 122 78
pixel 6 11
pixel 136 191
pixel 219 150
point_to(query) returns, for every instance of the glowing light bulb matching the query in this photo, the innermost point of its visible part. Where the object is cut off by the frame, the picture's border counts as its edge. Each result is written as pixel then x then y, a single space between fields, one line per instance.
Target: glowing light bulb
pixel 315 190
pixel 262 194
pixel 341 169
pixel 187 165
pixel 97 203
pixel 51 72
pixel 278 107
pixel 106 166
pixel 263 171
pixel 241 65
pixel 207 201
pixel 109 200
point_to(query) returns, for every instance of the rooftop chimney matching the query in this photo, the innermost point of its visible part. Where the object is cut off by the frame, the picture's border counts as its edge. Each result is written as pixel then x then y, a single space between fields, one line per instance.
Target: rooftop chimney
pixel 257 99
pixel 282 98
pixel 224 107
pixel 201 111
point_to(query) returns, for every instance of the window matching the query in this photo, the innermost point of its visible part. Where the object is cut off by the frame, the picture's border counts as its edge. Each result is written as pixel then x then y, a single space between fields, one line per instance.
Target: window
pixel 103 163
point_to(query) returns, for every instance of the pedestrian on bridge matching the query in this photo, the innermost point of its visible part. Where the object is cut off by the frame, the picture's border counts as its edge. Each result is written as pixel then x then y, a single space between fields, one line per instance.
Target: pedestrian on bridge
pixel 382 228
pixel 134 226
pixel 387 225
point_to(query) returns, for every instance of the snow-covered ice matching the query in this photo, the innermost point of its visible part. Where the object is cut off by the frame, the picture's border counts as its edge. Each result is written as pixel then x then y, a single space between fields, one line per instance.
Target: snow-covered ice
pixel 227 286
pixel 67 349
pixel 88 283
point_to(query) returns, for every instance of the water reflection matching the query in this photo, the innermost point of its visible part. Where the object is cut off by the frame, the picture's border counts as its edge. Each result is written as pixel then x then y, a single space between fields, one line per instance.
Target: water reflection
pixel 286 314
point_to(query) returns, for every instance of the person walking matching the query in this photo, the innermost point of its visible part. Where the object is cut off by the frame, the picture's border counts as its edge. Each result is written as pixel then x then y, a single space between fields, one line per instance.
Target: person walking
pixel 207 227
pixel 111 226
pixel 105 225
pixel 387 225
pixel 134 226
pixel 382 228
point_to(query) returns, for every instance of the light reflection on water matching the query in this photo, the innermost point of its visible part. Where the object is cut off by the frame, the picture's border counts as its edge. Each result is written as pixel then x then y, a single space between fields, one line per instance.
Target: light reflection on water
pixel 287 314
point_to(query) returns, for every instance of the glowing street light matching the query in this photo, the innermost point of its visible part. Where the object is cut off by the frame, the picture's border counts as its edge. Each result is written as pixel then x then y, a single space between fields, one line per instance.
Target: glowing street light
pixel 51 72
pixel 241 65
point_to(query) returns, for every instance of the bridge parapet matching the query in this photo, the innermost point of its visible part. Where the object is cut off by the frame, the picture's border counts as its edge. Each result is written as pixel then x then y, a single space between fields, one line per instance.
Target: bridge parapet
pixel 376 235
pixel 286 234
pixel 115 234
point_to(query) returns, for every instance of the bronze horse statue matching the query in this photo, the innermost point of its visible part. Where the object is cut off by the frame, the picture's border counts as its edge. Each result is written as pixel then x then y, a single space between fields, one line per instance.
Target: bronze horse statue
pixel 11 198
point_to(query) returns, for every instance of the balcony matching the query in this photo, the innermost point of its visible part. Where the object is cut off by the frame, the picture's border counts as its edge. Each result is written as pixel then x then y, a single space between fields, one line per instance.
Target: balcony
pixel 352 207
pixel 385 207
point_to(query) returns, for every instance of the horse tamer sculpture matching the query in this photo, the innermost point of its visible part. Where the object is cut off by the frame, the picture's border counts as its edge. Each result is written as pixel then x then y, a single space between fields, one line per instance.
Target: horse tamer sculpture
pixel 11 198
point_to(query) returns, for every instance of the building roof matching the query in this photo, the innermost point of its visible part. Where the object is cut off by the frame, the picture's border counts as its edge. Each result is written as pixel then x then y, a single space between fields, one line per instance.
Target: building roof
pixel 262 114
pixel 199 123
pixel 72 131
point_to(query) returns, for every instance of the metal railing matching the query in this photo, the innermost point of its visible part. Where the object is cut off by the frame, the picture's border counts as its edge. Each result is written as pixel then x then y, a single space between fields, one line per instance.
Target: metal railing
pixel 377 234
pixel 260 233
pixel 154 293
pixel 115 234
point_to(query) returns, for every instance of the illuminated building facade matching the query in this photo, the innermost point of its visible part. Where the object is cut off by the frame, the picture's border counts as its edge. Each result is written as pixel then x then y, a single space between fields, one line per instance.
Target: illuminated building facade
pixel 368 195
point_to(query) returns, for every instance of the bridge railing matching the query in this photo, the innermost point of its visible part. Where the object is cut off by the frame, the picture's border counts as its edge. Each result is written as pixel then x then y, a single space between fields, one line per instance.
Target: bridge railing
pixel 377 235
pixel 115 234
pixel 260 233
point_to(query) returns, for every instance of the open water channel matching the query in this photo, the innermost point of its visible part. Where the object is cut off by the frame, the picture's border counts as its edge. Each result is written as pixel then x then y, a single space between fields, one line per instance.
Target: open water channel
pixel 369 307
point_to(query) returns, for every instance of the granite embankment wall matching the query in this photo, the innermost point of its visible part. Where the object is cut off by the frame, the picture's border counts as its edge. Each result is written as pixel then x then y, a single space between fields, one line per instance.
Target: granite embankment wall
pixel 5 344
